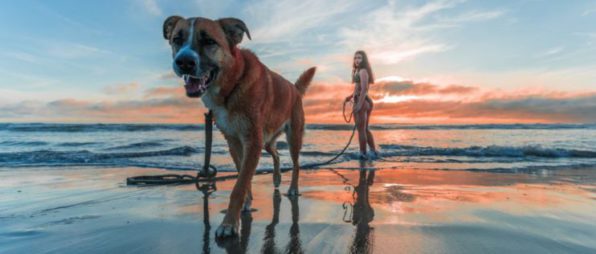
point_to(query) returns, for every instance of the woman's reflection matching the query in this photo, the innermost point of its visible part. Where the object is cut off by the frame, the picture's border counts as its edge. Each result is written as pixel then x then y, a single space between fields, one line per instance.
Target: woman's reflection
pixel 363 213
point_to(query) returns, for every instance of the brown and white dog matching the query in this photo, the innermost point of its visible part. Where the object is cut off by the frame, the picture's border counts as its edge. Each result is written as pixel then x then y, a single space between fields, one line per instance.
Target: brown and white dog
pixel 252 105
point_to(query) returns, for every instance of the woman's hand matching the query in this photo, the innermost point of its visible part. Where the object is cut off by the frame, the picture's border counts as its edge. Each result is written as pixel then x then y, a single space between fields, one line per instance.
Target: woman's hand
pixel 358 106
pixel 348 98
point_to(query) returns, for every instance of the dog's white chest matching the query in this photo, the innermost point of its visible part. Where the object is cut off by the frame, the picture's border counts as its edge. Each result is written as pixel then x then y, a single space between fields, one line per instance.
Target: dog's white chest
pixel 226 123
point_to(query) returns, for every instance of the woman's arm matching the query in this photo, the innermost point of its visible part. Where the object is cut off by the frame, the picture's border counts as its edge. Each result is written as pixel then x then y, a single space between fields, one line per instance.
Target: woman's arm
pixel 349 97
pixel 363 89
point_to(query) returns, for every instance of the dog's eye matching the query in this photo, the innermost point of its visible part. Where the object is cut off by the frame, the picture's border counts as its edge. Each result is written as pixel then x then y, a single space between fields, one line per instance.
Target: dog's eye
pixel 209 42
pixel 178 40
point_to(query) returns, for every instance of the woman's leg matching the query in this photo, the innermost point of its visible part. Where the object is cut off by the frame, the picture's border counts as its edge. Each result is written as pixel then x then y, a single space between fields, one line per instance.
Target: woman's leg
pixel 360 119
pixel 369 137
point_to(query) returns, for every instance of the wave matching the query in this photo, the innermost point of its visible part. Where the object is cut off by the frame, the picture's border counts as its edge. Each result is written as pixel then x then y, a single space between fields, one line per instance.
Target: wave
pixel 45 127
pixel 136 146
pixel 23 143
pixel 473 155
pixel 74 144
pixel 64 127
pixel 347 127
pixel 85 156
pixel 487 151
pixel 453 155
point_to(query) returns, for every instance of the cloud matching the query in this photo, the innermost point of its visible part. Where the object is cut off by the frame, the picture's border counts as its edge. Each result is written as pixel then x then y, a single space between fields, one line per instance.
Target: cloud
pixel 408 87
pixel 122 89
pixel 423 102
pixel 69 51
pixel 151 7
pixel 589 12
pixel 396 100
pixel 551 52
pixel 426 103
pixel 168 75
pixel 529 109
pixel 160 92
pixel 159 105
pixel 287 20
pixel 159 110
pixel 392 31
pixel 22 56
pixel 472 16
pixel 395 33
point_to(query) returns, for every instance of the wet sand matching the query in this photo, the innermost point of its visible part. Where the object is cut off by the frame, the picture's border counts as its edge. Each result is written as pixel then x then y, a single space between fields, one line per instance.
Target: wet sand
pixel 91 210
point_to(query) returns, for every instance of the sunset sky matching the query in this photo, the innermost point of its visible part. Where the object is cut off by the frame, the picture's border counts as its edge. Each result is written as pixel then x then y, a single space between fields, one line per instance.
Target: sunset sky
pixel 441 62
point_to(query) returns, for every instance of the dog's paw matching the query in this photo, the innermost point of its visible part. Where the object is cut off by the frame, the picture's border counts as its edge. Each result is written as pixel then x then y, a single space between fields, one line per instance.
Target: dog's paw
pixel 226 230
pixel 276 180
pixel 293 192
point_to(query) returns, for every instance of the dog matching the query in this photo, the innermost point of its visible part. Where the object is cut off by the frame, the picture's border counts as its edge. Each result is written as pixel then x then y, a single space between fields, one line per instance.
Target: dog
pixel 252 105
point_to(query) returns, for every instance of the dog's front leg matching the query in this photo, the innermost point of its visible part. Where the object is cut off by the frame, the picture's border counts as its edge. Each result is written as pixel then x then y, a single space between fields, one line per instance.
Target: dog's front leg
pixel 251 152
pixel 235 147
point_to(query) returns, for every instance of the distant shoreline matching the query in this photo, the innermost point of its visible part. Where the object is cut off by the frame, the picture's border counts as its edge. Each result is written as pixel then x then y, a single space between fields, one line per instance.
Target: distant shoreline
pixel 83 127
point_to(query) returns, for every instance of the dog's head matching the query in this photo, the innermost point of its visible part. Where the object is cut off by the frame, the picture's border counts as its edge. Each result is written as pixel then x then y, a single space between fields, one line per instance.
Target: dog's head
pixel 202 49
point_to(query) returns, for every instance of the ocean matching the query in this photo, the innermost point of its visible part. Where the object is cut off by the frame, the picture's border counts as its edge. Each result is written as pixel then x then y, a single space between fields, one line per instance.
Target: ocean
pixel 491 147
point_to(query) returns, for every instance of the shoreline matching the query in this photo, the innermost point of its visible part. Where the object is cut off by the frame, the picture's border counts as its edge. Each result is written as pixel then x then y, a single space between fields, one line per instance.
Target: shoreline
pixel 91 210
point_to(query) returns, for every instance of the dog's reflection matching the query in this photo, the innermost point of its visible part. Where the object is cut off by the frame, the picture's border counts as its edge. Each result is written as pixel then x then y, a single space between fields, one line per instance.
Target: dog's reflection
pixel 269 245
pixel 295 244
pixel 240 245
pixel 362 213
pixel 233 245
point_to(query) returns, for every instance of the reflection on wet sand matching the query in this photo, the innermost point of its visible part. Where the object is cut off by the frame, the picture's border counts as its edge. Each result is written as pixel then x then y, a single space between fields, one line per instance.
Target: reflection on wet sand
pixel 415 211
pixel 240 245
pixel 233 245
pixel 269 245
pixel 377 204
pixel 206 189
pixel 362 213
pixel 295 244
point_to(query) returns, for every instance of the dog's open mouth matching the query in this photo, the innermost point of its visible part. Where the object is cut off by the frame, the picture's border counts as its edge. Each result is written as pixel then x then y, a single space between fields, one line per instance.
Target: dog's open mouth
pixel 196 86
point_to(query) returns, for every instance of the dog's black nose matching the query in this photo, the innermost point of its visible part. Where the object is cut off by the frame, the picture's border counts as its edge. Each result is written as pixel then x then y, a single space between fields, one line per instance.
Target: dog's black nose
pixel 186 64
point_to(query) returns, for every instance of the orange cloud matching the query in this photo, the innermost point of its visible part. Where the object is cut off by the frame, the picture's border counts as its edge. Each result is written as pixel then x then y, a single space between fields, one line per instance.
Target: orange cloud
pixel 122 88
pixel 431 103
pixel 165 92
pixel 419 103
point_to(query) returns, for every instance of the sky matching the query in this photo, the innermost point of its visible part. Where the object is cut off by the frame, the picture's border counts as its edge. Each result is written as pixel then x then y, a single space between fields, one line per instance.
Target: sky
pixel 435 62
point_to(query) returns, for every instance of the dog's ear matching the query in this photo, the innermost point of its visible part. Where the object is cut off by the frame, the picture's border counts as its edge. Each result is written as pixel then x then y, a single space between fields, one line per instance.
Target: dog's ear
pixel 234 29
pixel 169 25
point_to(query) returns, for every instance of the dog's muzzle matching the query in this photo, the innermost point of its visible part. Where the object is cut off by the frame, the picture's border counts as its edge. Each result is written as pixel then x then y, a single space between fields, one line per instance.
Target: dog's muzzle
pixel 197 85
pixel 186 62
pixel 187 65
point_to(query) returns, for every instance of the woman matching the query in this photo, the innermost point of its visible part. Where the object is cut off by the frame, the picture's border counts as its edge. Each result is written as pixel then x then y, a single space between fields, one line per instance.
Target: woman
pixel 362 76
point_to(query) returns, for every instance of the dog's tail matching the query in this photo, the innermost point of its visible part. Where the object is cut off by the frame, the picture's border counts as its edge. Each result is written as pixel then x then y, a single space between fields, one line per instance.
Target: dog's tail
pixel 304 80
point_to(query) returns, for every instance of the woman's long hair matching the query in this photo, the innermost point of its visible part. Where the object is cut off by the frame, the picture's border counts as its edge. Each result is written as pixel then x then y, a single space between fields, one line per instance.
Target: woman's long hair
pixel 363 64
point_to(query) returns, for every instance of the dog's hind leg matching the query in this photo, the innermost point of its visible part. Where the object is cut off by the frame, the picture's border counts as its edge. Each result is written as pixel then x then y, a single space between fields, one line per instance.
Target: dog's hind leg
pixel 294 132
pixel 271 148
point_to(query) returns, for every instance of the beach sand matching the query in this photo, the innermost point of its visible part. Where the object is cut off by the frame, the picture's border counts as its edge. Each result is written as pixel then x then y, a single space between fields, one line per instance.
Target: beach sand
pixel 91 210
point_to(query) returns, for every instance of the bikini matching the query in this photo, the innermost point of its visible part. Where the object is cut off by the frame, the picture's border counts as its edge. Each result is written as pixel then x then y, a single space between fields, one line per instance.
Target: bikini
pixel 357 81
